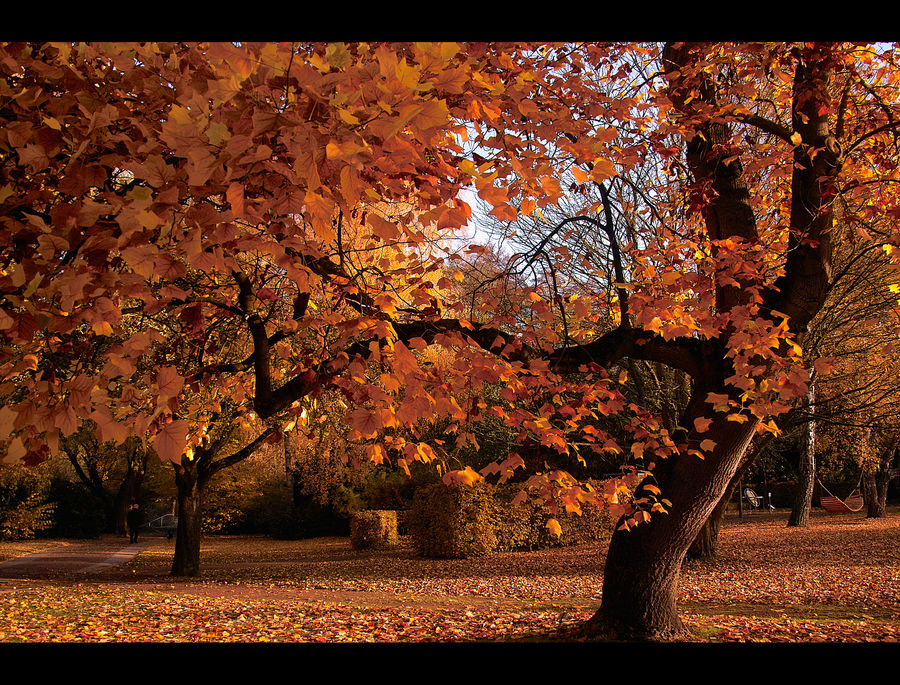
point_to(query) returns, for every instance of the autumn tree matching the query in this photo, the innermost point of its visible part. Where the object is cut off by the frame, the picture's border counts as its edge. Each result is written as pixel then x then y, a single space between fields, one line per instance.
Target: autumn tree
pixel 821 130
pixel 209 187
pixel 854 339
pixel 113 473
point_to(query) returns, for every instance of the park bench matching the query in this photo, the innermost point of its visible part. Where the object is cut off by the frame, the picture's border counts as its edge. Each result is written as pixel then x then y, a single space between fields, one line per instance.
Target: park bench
pixel 164 525
pixel 755 500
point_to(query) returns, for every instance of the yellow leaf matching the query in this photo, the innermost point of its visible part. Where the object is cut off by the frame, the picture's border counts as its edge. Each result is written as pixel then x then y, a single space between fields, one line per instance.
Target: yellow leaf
pixel 348 118
pixel 554 527
pixel 375 452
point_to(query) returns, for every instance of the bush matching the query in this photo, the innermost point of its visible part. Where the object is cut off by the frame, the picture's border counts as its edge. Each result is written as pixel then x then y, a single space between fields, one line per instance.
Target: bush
pixel 373 529
pixel 465 521
pixel 24 506
pixel 78 513
pixel 453 521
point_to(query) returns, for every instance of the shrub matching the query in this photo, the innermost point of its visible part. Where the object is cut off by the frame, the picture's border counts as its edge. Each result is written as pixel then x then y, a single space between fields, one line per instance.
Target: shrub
pixel 373 529
pixel 454 521
pixel 462 521
pixel 221 515
pixel 78 513
pixel 24 507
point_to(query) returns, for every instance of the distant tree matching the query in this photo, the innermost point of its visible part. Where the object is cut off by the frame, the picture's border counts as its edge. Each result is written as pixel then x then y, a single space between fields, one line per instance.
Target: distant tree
pixel 112 473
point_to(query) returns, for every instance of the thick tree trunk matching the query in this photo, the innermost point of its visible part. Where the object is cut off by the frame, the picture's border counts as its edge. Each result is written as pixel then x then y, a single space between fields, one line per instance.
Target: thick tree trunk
pixel 186 561
pixel 129 492
pixel 706 544
pixel 876 478
pixel 643 566
pixel 640 586
pixel 806 472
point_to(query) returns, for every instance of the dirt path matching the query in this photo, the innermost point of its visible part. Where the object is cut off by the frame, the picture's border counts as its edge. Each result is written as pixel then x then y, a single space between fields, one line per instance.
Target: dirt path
pixel 73 558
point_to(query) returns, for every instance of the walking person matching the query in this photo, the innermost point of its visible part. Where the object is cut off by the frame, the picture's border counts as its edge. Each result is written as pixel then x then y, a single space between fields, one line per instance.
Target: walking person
pixel 134 519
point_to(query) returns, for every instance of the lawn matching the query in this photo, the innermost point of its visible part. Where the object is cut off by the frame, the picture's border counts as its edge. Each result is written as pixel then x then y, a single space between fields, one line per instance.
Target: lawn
pixel 838 580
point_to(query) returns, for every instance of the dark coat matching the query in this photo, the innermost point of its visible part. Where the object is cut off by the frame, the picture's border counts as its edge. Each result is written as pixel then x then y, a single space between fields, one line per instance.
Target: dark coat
pixel 134 518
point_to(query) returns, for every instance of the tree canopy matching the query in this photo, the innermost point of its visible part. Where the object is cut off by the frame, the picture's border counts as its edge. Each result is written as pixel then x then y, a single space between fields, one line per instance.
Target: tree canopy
pixel 203 233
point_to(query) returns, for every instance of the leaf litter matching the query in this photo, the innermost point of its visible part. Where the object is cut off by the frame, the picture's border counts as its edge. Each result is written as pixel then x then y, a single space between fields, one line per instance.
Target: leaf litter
pixel 836 581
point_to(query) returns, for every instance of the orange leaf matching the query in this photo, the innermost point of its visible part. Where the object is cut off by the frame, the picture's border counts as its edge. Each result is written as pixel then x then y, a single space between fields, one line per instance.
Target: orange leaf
pixel 554 527
pixel 467 476
pixel 385 230
pixel 169 381
pixel 365 423
pixel 701 424
pixel 170 442
pixel 235 197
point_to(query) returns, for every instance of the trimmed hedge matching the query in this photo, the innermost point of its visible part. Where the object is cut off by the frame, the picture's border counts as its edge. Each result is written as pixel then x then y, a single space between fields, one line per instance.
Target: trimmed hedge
pixel 465 521
pixel 373 529
pixel 454 521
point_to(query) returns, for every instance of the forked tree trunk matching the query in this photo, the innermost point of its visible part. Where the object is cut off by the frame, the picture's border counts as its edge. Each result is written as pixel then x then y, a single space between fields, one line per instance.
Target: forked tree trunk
pixel 643 566
pixel 191 476
pixel 706 544
pixel 876 478
pixel 186 561
pixel 640 585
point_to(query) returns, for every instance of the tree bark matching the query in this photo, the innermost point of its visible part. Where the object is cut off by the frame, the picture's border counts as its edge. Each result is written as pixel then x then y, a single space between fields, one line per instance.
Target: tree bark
pixel 640 586
pixel 129 491
pixel 706 544
pixel 806 472
pixel 876 478
pixel 186 561
pixel 643 566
